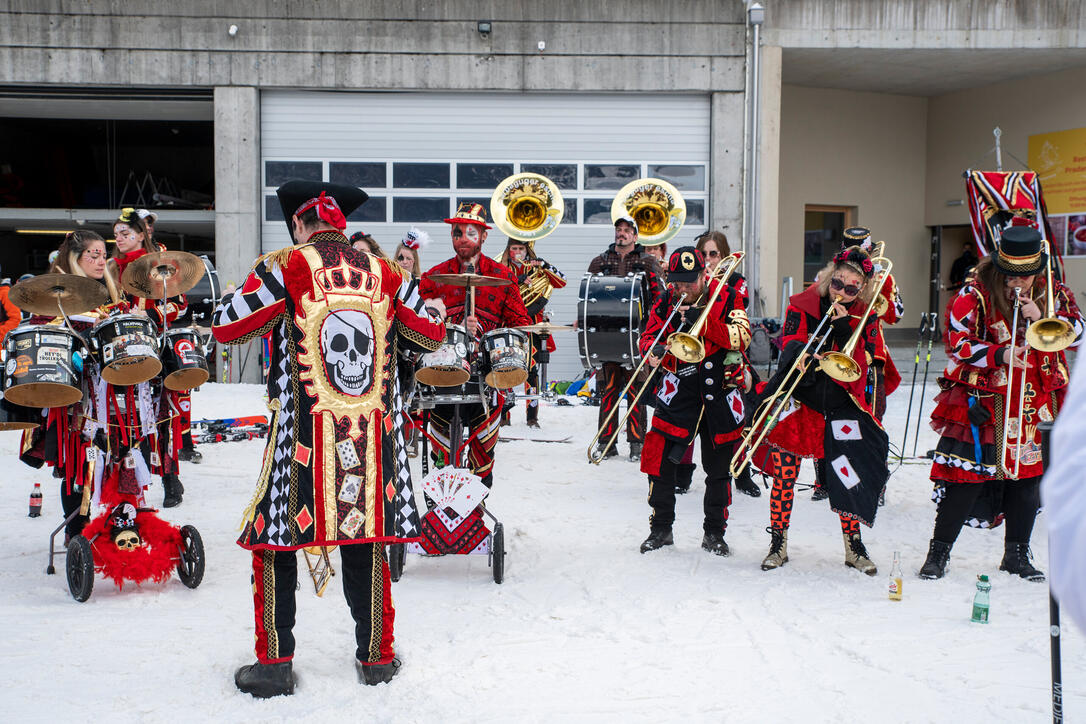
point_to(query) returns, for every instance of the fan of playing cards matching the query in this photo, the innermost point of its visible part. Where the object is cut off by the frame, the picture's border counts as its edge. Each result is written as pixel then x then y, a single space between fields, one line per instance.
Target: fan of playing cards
pixel 455 488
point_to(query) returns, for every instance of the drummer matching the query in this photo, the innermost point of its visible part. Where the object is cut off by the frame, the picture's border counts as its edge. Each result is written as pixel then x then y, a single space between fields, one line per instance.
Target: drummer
pixel 494 307
pixel 537 280
pixel 133 241
pixel 107 424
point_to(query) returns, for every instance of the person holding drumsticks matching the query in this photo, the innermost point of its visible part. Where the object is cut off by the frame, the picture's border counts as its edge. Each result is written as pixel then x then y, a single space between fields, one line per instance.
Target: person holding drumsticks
pixel 133 241
pixel 480 311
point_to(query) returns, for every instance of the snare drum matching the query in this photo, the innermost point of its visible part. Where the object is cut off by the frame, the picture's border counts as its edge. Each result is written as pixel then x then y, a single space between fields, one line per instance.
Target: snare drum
pixel 506 352
pixel 450 364
pixel 44 366
pixel 609 316
pixel 183 364
pixel 127 348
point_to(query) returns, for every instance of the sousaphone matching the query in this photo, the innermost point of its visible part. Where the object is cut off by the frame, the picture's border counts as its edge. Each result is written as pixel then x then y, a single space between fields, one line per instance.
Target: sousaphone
pixel 656 206
pixel 527 206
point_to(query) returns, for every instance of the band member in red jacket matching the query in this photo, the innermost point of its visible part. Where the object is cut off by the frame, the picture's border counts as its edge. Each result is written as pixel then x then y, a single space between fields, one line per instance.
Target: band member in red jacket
pixel 702 398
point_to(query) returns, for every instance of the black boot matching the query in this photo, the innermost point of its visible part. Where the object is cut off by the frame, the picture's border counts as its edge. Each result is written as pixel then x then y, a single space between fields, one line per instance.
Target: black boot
pixel 714 543
pixel 635 452
pixel 658 538
pixel 935 564
pixel 746 485
pixel 190 455
pixel 172 490
pixel 684 476
pixel 266 680
pixel 1016 557
pixel 374 674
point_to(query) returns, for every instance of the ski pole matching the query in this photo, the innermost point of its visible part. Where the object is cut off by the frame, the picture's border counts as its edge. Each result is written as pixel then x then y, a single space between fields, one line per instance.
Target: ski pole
pixel 1045 430
pixel 924 384
pixel 912 387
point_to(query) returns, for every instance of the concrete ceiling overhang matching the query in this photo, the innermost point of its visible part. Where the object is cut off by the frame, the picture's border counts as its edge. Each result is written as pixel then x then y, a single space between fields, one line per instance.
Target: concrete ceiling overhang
pixel 920 72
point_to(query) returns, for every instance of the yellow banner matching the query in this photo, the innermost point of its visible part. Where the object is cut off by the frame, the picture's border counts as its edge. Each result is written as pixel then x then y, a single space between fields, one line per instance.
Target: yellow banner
pixel 1060 160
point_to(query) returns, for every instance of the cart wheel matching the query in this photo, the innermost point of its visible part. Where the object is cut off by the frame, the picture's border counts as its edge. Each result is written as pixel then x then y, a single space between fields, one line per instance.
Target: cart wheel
pixel 79 564
pixel 190 568
pixel 497 552
pixel 397 554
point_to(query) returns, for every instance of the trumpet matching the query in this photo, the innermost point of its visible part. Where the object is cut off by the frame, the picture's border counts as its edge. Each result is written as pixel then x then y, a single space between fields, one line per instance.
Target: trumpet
pixel 687 346
pixel 769 412
pixel 840 365
pixel 592 457
pixel 1050 334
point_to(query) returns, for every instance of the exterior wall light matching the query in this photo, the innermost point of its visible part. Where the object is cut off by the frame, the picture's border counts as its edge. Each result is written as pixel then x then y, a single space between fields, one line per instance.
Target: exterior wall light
pixel 483 27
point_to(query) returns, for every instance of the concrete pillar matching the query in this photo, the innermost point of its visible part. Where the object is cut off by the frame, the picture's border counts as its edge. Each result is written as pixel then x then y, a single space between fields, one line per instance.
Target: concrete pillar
pixel 769 166
pixel 726 162
pixel 238 200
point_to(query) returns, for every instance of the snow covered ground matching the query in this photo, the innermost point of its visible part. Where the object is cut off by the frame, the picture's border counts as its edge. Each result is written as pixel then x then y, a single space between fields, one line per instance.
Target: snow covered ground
pixel 584 628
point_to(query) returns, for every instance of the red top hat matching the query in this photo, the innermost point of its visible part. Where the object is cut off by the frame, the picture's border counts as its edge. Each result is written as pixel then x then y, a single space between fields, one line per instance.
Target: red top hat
pixel 469 213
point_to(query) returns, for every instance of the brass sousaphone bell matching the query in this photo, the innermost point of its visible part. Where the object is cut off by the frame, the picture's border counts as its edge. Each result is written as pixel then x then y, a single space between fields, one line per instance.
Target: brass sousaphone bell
pixel 527 206
pixel 656 206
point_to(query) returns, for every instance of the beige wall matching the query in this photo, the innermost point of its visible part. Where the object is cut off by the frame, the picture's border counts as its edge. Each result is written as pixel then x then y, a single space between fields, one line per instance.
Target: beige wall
pixel 866 150
pixel 960 133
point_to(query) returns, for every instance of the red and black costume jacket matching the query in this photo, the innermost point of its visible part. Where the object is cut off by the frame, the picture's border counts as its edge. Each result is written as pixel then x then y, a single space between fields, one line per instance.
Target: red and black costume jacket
pixel 495 307
pixel 175 306
pixel 611 263
pixel 977 341
pixel 337 317
pixel 710 390
pixel 801 427
pixel 893 313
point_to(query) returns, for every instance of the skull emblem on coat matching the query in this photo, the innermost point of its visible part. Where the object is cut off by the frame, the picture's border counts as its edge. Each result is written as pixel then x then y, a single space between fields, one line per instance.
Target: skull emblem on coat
pixel 348 344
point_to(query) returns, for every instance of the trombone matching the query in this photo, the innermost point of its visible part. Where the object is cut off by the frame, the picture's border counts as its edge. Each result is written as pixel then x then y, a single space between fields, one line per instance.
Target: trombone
pixel 840 365
pixel 687 346
pixel 1021 398
pixel 769 412
pixel 594 459
pixel 1050 334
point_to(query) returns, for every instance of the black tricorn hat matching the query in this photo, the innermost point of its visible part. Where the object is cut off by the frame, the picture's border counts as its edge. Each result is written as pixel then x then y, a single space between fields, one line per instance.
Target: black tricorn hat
pixel 1020 253
pixel 293 194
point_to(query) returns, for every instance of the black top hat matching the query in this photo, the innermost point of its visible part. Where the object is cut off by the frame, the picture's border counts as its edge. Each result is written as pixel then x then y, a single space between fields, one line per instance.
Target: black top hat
pixel 685 265
pixel 1020 252
pixel 293 195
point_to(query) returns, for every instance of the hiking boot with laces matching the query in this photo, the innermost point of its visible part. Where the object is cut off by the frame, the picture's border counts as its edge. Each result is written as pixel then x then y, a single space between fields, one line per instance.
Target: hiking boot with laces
pixel 778 549
pixel 856 555
pixel 1016 561
pixel 935 565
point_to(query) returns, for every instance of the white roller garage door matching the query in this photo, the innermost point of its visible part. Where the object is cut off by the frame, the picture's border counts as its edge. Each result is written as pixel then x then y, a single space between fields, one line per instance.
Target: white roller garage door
pixel 418 154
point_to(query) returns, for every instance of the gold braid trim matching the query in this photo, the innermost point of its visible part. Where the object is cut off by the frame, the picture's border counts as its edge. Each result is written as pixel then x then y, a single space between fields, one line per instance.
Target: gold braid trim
pixel 265 468
pixel 1000 452
pixel 420 339
pixel 377 608
pixel 264 329
pixel 279 257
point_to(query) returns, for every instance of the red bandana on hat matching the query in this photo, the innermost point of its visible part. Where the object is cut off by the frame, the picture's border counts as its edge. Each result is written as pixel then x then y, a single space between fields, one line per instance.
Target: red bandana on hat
pixel 327 209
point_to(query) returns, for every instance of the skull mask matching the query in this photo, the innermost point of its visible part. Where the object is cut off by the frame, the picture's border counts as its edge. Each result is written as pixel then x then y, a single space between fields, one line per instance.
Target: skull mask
pixel 348 345
pixel 125 535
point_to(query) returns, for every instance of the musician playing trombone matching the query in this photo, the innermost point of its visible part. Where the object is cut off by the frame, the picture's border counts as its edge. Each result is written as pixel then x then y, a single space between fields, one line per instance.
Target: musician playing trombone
pixel 702 398
pixel 988 464
pixel 828 419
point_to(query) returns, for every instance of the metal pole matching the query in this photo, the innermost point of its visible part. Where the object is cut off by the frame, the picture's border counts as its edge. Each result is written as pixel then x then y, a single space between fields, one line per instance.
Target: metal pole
pixel 998 149
pixel 756 15
pixel 1045 428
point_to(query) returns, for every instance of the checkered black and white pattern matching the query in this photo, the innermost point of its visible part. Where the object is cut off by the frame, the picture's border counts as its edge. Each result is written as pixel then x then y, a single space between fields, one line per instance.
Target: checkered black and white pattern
pixel 407 515
pixel 278 487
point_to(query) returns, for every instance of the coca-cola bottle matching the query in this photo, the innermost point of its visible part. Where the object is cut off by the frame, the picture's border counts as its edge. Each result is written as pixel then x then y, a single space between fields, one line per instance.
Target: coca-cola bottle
pixel 35 501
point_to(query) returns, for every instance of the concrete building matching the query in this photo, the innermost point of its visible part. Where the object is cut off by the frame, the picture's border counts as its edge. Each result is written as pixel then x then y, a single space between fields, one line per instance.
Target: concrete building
pixel 868 112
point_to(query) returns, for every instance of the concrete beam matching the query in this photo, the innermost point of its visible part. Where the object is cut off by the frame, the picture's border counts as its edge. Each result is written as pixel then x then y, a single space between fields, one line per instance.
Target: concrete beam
pixel 769 167
pixel 237 196
pixel 726 160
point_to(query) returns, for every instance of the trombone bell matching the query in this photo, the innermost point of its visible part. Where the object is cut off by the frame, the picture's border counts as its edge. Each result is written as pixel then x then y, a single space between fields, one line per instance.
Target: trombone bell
pixel 1050 335
pixel 686 347
pixel 839 366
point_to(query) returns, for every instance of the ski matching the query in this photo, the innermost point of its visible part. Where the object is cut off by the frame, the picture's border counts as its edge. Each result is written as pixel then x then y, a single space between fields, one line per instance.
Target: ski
pixel 515 438
pixel 231 429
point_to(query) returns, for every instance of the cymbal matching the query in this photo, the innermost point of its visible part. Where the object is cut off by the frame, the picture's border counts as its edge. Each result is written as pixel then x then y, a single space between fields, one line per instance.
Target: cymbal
pixel 544 328
pixel 41 294
pixel 177 271
pixel 468 280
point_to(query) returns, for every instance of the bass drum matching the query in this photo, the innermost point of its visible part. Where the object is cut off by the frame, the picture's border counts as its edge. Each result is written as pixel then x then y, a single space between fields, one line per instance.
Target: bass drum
pixel 44 366
pixel 202 298
pixel 609 312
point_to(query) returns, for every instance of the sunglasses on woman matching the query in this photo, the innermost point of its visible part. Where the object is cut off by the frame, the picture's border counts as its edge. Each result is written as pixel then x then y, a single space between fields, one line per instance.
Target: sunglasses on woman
pixel 713 253
pixel 839 286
